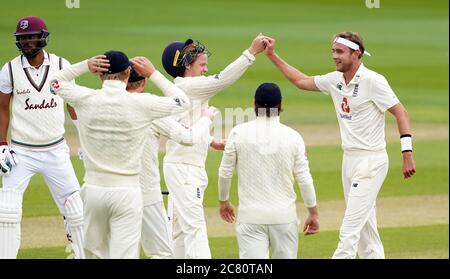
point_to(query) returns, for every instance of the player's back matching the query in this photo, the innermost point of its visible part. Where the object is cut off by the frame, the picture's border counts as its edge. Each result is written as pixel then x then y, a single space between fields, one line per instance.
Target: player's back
pixel 266 152
pixel 113 126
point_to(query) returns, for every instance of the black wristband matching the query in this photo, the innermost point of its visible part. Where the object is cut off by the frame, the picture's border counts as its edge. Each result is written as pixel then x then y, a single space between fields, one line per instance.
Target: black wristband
pixel 405 135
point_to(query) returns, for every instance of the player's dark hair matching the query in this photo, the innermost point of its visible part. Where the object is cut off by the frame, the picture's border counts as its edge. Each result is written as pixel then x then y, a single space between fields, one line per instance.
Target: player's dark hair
pixel 353 37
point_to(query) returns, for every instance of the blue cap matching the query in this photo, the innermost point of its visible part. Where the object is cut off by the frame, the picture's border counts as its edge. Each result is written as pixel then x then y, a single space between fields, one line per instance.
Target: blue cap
pixel 268 95
pixel 134 76
pixel 172 56
pixel 118 61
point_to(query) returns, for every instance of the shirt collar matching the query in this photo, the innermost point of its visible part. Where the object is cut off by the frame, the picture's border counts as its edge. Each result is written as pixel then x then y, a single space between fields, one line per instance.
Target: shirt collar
pixel 114 84
pixel 357 77
pixel 27 64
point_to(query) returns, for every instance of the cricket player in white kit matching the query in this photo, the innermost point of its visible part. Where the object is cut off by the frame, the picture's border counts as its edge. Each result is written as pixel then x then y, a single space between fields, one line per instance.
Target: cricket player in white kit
pixel 37 138
pixel 184 166
pixel 361 97
pixel 113 126
pixel 267 155
pixel 156 239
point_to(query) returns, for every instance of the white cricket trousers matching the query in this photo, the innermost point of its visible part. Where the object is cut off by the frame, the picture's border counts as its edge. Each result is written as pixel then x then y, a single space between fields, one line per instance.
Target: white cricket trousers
pixel 187 184
pixel 113 220
pixel 57 171
pixel 363 174
pixel 256 240
pixel 156 239
pixel 55 167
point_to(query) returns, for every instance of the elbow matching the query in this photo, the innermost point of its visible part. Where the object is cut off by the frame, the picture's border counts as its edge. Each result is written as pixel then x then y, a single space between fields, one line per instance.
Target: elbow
pixel 184 102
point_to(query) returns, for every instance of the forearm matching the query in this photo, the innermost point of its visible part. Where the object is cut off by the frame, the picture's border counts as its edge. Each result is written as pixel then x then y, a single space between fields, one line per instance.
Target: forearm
pixel 403 123
pixel 304 177
pixel 167 87
pixel 72 72
pixel 207 87
pixel 4 124
pixel 224 188
pixel 235 70
pixel 226 169
pixel 72 113
pixel 178 133
pixel 4 115
pixel 291 73
pixel 308 193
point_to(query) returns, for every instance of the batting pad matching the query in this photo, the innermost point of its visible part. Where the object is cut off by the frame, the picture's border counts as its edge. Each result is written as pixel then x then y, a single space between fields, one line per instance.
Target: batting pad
pixel 10 217
pixel 74 219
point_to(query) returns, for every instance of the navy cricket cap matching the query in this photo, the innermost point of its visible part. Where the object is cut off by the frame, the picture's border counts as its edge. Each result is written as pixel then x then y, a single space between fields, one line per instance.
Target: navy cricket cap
pixel 134 76
pixel 268 95
pixel 118 61
pixel 172 58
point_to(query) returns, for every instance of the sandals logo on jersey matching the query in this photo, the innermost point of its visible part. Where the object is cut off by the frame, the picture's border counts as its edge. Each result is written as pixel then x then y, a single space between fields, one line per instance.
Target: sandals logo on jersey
pixel 346 109
pixel 54 86
pixel 43 105
pixel 23 91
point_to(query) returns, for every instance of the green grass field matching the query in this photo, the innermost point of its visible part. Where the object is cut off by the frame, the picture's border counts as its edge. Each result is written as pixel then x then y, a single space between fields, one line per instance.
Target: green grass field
pixel 408 41
pixel 410 242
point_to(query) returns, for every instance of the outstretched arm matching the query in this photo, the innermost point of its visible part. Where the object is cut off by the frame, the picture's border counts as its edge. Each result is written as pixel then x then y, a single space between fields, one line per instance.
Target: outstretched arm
pixel 205 87
pixel 62 82
pixel 401 115
pixel 298 78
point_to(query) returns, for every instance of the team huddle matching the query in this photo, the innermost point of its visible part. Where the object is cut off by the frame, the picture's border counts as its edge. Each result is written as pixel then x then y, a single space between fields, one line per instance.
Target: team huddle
pixel 120 207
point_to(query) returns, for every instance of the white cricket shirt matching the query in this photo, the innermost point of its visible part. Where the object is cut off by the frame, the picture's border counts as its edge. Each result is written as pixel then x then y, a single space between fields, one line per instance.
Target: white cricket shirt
pixel 199 90
pixel 267 155
pixel 113 124
pixel 37 116
pixel 168 127
pixel 360 107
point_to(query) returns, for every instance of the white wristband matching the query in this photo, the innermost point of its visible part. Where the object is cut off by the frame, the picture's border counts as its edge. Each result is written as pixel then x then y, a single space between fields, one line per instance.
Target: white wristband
pixel 406 143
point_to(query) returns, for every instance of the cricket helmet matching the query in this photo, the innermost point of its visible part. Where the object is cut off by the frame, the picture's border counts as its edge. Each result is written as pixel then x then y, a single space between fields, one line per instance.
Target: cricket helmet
pixel 31 25
pixel 177 55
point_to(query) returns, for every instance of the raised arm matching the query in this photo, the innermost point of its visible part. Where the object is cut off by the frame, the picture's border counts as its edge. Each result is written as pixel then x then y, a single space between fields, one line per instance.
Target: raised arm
pixel 298 78
pixel 62 81
pixel 401 115
pixel 145 68
pixel 205 87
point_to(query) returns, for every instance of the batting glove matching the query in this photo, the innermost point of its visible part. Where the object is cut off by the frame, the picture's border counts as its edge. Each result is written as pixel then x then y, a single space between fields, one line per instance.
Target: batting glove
pixel 10 154
pixel 5 167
